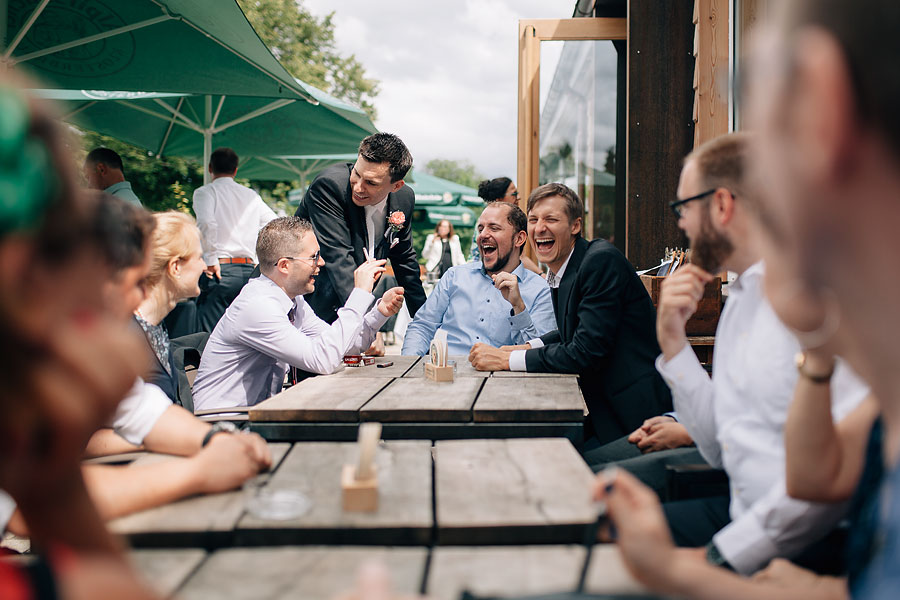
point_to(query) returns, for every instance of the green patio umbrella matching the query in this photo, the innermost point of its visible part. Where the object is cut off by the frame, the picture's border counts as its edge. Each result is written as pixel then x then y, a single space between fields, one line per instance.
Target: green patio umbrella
pixel 185 46
pixel 431 190
pixel 191 125
pixel 290 168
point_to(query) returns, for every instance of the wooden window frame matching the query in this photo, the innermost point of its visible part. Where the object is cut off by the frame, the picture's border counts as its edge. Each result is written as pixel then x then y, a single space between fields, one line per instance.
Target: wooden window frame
pixel 531 33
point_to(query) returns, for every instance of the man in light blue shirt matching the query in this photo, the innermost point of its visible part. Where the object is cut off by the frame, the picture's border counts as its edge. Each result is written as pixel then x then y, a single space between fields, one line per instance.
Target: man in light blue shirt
pixel 496 301
pixel 104 171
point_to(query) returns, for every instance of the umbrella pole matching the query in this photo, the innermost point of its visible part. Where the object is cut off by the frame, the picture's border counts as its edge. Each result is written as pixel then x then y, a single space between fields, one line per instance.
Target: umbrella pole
pixel 207 140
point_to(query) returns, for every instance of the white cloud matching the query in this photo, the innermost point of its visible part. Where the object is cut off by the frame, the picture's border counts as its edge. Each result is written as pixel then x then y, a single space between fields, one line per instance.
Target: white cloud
pixel 448 71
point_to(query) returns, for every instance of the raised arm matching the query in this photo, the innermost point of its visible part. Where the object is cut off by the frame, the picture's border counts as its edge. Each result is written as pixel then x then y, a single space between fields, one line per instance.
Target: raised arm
pixel 824 459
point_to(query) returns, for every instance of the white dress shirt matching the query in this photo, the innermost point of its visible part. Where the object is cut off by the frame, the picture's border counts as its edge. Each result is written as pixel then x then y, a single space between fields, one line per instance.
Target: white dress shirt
pixel 376 224
pixel 517 357
pixel 139 411
pixel 737 421
pixel 229 216
pixel 253 344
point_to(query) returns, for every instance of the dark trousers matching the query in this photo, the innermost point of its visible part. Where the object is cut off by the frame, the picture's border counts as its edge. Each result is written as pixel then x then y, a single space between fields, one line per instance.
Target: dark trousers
pixel 650 468
pixel 216 296
pixel 693 523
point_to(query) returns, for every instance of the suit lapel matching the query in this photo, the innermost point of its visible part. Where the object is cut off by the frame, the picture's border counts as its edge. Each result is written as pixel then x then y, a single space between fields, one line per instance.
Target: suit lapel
pixel 568 284
pixel 357 222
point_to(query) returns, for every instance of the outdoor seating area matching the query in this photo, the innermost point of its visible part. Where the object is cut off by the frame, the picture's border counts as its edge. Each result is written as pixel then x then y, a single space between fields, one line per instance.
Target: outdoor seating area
pixel 506 300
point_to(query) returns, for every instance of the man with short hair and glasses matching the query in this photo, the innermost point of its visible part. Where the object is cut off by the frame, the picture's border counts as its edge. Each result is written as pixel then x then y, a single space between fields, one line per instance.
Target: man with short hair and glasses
pixel 269 327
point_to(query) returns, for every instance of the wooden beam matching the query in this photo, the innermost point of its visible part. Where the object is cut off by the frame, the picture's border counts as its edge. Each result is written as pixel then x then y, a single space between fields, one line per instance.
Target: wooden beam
pixel 712 58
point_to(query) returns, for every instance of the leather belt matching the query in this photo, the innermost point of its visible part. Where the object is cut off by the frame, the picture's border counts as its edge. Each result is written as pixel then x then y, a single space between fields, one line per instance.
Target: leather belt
pixel 236 261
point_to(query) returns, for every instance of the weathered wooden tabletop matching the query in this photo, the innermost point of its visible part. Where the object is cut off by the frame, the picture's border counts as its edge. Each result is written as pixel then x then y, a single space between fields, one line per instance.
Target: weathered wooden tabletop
pixel 476 404
pixel 328 572
pixel 453 492
pixel 515 491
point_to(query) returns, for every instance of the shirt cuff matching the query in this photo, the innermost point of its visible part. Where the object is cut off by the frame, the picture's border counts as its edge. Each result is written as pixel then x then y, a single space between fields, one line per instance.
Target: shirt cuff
pixel 375 318
pixel 359 301
pixel 681 368
pixel 211 259
pixel 517 360
pixel 673 414
pixel 745 545
pixel 521 321
pixel 139 411
pixel 536 343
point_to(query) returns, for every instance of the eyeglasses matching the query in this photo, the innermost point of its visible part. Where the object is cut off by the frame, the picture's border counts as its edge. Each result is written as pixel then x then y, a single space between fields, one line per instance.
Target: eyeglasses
pixel 314 259
pixel 677 205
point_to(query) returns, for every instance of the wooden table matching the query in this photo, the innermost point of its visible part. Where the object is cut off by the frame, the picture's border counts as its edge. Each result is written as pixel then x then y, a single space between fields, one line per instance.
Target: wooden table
pixel 516 491
pixel 325 572
pixel 477 404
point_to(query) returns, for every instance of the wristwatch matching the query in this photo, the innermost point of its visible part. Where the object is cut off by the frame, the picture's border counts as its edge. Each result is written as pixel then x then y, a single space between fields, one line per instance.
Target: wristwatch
pixel 715 558
pixel 818 378
pixel 220 427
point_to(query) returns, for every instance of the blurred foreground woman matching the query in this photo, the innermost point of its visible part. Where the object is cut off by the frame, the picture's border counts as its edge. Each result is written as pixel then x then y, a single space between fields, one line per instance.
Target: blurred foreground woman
pixel 65 364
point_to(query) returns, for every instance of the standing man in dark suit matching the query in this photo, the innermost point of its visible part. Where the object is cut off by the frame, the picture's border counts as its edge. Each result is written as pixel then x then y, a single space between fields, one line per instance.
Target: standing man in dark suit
pixel 363 207
pixel 606 324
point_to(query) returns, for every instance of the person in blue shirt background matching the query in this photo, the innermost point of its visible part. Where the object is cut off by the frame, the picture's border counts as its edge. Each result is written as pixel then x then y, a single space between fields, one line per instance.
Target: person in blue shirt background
pixel 496 301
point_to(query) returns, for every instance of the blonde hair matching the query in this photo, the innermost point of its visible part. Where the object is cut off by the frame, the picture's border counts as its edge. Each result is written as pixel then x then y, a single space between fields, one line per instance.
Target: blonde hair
pixel 170 240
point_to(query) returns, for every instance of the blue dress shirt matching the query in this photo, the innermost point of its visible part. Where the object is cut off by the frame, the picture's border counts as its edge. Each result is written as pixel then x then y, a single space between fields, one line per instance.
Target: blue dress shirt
pixel 470 309
pixel 123 190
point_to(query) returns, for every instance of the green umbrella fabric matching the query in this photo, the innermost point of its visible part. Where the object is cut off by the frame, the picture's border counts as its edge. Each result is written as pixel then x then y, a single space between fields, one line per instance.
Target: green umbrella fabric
pixel 431 190
pixel 252 126
pixel 290 168
pixel 185 46
pixel 459 216
pixel 192 125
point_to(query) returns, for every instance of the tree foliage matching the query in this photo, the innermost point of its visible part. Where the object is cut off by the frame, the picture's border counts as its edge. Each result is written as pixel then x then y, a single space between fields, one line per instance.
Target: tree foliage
pixel 462 172
pixel 305 45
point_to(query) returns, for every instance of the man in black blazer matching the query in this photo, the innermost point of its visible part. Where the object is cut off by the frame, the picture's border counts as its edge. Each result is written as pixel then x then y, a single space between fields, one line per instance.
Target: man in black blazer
pixel 606 323
pixel 359 208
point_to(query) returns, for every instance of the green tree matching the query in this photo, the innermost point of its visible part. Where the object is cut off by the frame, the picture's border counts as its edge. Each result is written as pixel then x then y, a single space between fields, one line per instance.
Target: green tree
pixel 305 45
pixel 462 172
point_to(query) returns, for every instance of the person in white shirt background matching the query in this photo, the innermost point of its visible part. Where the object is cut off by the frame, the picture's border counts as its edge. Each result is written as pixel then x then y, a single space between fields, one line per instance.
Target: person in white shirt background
pixel 270 327
pixel 442 249
pixel 229 216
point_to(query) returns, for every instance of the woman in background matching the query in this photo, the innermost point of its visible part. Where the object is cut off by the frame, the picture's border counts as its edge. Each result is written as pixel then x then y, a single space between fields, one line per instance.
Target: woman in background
pixel 175 266
pixel 500 189
pixel 442 249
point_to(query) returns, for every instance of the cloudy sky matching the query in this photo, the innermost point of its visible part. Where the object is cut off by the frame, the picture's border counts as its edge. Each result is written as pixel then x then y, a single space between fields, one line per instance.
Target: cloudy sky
pixel 448 71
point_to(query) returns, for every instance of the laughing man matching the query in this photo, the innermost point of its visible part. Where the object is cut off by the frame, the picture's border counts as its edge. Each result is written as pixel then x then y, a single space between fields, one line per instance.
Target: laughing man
pixel 496 301
pixel 606 321
pixel 269 326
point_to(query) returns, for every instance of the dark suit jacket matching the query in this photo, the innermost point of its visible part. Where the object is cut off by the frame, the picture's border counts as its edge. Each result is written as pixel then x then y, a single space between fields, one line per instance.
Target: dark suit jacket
pixel 607 334
pixel 340 227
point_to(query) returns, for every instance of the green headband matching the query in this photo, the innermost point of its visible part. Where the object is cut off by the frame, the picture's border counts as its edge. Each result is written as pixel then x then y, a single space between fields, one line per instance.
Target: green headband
pixel 26 174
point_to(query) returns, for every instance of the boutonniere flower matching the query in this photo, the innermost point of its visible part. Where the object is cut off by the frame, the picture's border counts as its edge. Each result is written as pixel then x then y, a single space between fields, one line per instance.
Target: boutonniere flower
pixel 396 220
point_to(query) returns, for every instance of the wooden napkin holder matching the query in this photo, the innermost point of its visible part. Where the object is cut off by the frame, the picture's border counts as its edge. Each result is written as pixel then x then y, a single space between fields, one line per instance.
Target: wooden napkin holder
pixel 359 495
pixel 438 373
